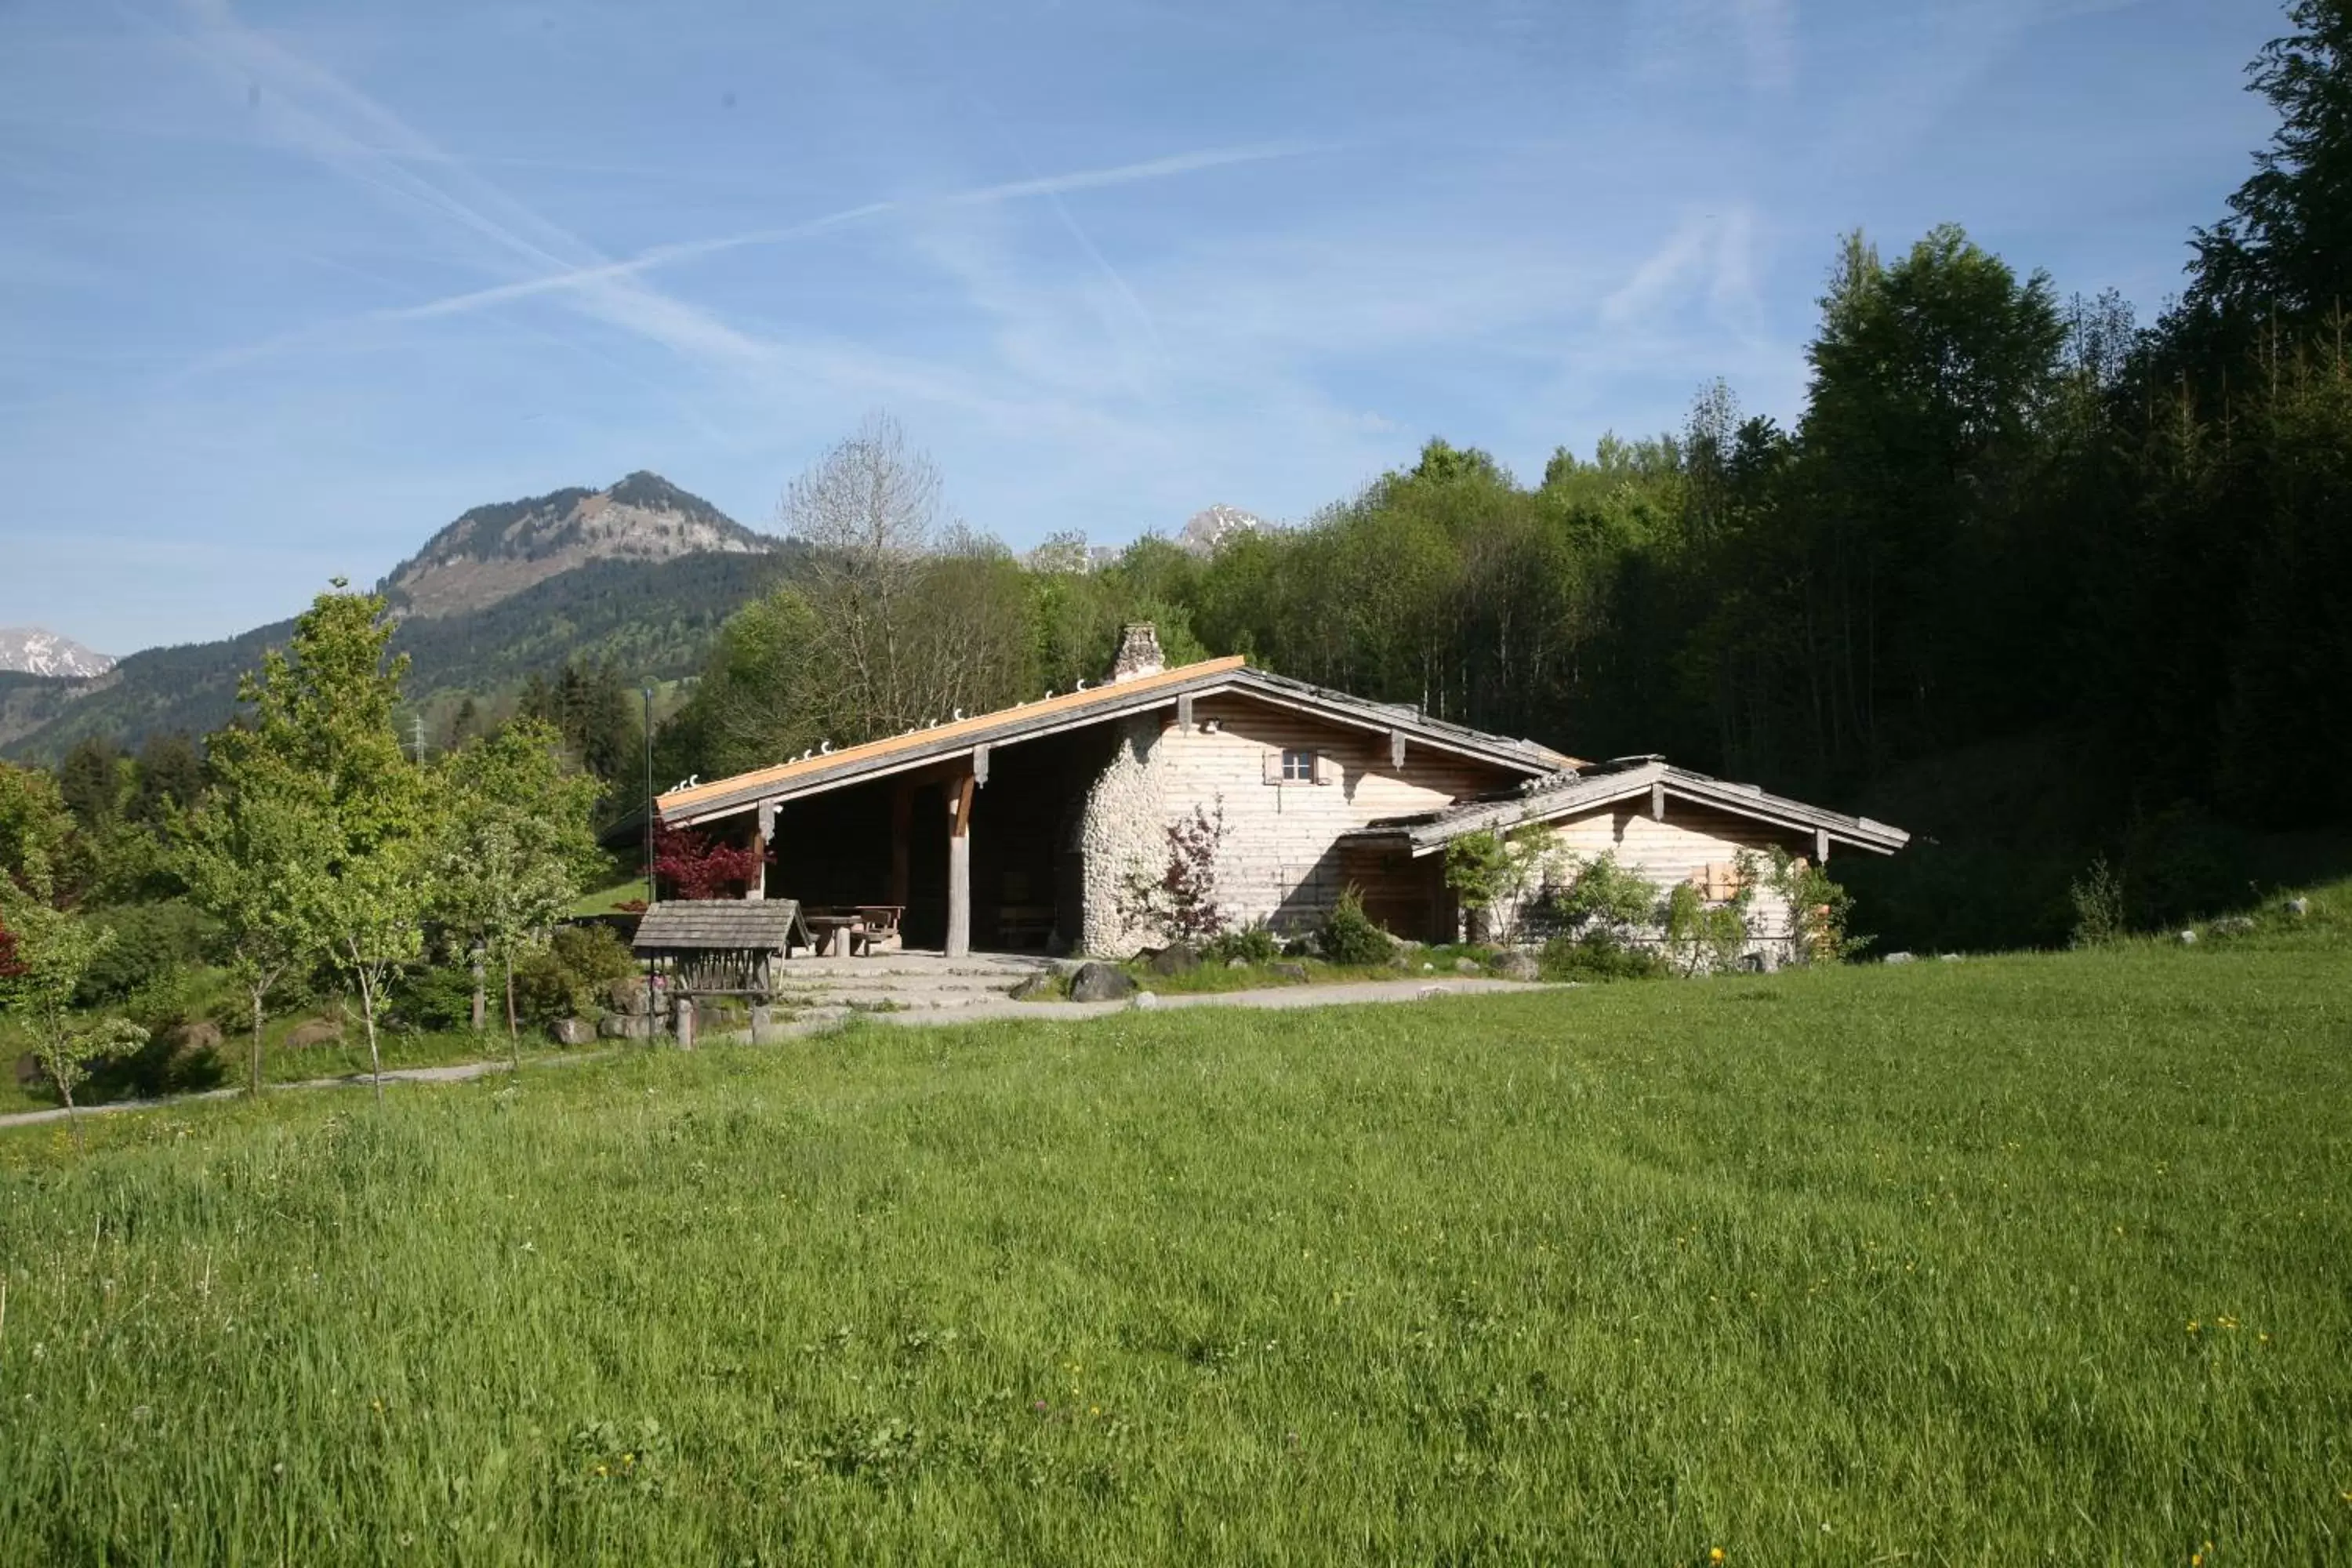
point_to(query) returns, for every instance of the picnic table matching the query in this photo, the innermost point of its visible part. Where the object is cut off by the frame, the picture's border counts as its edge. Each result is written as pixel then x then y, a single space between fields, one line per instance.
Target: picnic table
pixel 852 931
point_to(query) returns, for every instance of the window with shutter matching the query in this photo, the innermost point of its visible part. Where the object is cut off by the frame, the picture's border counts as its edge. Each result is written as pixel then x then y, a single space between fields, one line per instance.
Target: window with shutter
pixel 1298 767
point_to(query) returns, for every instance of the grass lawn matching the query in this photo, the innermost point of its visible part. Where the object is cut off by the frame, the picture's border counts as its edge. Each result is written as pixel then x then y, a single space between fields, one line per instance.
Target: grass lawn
pixel 2035 1258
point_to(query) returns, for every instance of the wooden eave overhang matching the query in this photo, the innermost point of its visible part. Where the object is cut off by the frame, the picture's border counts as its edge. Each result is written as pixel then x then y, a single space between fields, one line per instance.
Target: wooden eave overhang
pixel 1576 795
pixel 943 742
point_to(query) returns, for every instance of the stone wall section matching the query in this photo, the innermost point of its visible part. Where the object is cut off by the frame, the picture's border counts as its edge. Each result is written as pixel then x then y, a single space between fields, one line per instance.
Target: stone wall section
pixel 1119 833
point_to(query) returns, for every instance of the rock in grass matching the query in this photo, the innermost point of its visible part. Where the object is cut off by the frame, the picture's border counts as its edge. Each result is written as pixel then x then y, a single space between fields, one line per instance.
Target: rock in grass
pixel 2232 925
pixel 1176 958
pixel 315 1032
pixel 1898 958
pixel 196 1034
pixel 626 1027
pixel 1147 999
pixel 2298 908
pixel 1038 987
pixel 573 1032
pixel 1294 973
pixel 1237 964
pixel 1514 965
pixel 1466 966
pixel 1099 982
pixel 2186 939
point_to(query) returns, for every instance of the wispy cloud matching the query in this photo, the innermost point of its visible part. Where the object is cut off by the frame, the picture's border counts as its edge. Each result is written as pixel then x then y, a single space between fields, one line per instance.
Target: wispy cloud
pixel 316 112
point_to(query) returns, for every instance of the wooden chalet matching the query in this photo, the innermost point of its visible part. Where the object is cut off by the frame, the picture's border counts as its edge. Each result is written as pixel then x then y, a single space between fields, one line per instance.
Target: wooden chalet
pixel 1021 829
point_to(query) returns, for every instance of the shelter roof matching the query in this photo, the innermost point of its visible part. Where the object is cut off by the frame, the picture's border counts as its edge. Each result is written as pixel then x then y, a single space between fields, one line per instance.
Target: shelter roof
pixel 1577 790
pixel 810 775
pixel 705 925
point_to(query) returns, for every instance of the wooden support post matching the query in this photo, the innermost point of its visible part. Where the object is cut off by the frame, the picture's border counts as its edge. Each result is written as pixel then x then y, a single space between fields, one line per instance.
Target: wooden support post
pixel 1185 714
pixel 1657 803
pixel 682 1021
pixel 1820 846
pixel 763 832
pixel 1396 749
pixel 959 942
pixel 980 762
pixel 902 816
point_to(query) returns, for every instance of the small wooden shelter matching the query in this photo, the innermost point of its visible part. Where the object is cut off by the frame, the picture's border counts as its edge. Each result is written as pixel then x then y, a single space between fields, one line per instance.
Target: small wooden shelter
pixel 721 947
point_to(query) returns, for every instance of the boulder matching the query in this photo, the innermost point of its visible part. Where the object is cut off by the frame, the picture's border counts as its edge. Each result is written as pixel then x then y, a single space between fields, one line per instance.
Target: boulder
pixel 315 1032
pixel 1146 999
pixel 1099 982
pixel 1514 965
pixel 627 995
pixel 626 1027
pixel 1237 964
pixel 2186 938
pixel 2298 907
pixel 1042 986
pixel 1467 967
pixel 2232 925
pixel 573 1032
pixel 195 1035
pixel 1898 958
pixel 1176 958
pixel 1294 973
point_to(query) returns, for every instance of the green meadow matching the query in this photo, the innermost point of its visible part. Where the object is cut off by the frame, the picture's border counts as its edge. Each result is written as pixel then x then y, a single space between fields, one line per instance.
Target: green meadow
pixel 2036 1257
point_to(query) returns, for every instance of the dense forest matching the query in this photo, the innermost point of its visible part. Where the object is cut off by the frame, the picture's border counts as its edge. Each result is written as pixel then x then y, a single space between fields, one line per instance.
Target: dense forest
pixel 2049 585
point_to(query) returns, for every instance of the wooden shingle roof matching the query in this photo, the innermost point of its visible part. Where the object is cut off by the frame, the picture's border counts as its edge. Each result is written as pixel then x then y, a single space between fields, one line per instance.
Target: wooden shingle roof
pixel 743 925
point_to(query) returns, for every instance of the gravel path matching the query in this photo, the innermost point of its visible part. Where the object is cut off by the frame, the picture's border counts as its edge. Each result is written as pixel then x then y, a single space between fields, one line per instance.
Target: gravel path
pixel 1427 988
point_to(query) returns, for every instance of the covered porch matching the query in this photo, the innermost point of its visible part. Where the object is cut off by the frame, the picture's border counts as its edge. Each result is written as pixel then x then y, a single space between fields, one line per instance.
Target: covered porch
pixel 979 851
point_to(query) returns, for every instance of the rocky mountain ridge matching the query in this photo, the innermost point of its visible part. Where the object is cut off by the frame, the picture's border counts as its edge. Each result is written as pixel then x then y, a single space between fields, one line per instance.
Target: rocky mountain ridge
pixel 492 552
pixel 1207 529
pixel 34 650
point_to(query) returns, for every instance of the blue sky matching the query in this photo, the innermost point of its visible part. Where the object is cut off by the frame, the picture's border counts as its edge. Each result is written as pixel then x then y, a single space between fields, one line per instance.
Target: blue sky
pixel 284 287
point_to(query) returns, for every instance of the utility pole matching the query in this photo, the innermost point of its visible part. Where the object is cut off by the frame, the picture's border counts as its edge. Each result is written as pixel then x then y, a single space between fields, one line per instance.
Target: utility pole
pixel 416 730
pixel 652 890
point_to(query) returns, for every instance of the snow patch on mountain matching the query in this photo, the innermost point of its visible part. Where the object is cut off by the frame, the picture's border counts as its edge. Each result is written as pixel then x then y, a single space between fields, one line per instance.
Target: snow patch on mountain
pixel 33 651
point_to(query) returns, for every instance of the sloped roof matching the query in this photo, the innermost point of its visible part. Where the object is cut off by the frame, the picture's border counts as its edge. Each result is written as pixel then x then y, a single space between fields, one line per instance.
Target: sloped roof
pixel 1052 715
pixel 1579 790
pixel 757 925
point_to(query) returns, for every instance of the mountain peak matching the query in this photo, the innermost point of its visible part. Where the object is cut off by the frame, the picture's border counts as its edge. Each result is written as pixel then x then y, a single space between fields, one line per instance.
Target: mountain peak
pixel 493 551
pixel 31 650
pixel 1215 523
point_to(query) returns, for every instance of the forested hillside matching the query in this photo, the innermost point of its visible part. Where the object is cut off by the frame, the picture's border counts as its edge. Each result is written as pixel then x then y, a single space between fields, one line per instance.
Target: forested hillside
pixel 653 619
pixel 2046 585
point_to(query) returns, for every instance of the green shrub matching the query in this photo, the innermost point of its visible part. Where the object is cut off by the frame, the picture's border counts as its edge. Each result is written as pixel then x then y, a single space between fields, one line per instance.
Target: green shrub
pixel 2098 899
pixel 1350 937
pixel 570 976
pixel 1597 956
pixel 441 997
pixel 151 941
pixel 1251 943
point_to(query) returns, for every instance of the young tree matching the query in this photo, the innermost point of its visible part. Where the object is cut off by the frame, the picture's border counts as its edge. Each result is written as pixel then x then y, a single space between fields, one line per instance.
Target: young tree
pixel 319 744
pixel 515 842
pixel 52 952
pixel 253 855
pixel 38 845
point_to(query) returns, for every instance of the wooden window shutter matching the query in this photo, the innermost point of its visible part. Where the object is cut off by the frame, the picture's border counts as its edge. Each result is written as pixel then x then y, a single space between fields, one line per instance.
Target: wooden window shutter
pixel 1274 767
pixel 1326 769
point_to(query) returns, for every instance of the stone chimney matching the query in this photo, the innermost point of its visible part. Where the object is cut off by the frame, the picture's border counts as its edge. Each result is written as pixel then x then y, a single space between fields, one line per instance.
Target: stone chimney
pixel 1139 654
